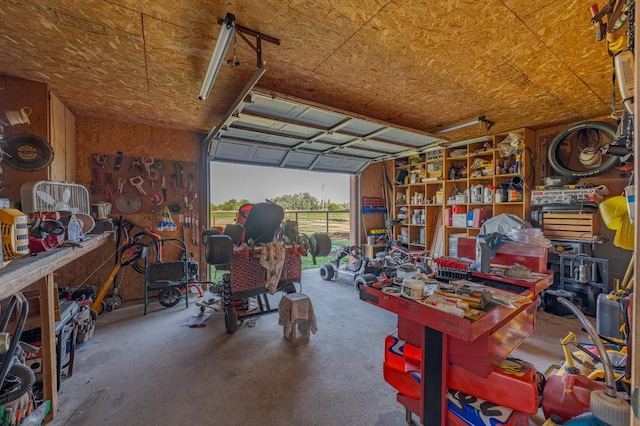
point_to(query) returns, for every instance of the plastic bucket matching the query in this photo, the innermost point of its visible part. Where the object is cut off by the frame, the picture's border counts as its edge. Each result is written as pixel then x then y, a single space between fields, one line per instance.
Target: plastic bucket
pixel 624 236
pixel 613 209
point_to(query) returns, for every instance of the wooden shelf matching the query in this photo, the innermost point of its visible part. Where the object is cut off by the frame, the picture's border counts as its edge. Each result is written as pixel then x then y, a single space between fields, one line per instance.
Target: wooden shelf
pixel 21 273
pixel 435 216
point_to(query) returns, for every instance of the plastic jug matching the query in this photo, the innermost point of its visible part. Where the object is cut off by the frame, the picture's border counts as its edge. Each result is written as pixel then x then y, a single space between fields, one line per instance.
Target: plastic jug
pixel 568 395
pixel 477 193
pixel 487 194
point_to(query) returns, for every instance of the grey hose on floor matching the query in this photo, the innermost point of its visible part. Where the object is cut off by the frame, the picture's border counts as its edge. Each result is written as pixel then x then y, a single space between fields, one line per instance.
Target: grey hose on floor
pixel 609 378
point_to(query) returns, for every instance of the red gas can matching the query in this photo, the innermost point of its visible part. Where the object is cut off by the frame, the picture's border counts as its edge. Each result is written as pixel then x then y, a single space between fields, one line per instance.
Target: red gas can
pixel 568 395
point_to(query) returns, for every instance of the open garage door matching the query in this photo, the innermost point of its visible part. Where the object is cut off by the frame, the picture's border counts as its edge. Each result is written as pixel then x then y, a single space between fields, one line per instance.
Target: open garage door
pixel 271 130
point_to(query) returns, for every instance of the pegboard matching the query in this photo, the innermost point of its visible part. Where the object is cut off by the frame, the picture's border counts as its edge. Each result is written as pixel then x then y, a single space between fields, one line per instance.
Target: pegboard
pixel 164 182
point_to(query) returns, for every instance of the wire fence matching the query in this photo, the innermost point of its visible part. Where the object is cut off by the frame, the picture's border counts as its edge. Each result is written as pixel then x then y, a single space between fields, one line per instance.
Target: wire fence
pixel 335 223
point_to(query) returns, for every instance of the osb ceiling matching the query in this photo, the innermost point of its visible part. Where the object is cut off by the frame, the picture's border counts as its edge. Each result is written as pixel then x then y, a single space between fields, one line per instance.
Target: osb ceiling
pixel 412 64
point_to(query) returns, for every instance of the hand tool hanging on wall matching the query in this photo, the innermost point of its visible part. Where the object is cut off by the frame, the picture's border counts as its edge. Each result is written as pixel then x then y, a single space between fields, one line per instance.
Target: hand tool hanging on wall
pixel 163 188
pixel 101 160
pixel 108 186
pixel 174 184
pixel 150 171
pixel 137 181
pixel 194 232
pixel 118 162
pixel 136 163
pixel 179 173
pixel 95 183
pixel 121 183
pixel 147 162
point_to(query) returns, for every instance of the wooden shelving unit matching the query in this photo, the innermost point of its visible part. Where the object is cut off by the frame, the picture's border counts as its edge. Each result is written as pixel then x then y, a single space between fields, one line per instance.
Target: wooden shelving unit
pixel 424 198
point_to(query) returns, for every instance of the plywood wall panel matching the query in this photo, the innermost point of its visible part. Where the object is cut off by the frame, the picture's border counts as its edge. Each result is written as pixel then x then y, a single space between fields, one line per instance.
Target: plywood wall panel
pixel 70 136
pixel 57 137
pixel 104 136
pixel 16 93
pixel 372 185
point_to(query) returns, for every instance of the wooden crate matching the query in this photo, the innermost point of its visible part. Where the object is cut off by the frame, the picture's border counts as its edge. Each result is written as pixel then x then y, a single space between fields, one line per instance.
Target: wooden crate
pixel 570 225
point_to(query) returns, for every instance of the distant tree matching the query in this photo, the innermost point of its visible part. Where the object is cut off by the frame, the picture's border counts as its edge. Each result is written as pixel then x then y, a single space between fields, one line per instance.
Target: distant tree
pixel 232 204
pixel 302 201
pixel 333 207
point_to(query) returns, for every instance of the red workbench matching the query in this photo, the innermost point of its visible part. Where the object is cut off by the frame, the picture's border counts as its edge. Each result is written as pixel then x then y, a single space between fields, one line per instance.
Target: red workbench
pixel 456 349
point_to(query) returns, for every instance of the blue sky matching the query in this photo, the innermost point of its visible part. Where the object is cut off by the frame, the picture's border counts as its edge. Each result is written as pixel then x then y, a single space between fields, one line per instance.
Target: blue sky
pixel 257 183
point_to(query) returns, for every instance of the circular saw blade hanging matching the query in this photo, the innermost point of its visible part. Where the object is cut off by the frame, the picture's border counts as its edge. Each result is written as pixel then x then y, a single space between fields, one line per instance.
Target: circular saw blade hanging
pixel 25 152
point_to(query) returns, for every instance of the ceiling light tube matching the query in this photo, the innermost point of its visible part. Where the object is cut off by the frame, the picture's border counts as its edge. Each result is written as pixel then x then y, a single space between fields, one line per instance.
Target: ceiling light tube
pixel 480 119
pixel 226 34
pixel 468 142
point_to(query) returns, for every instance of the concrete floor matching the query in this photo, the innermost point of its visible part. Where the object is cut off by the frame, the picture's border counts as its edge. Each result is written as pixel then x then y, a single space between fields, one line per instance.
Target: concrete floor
pixel 153 370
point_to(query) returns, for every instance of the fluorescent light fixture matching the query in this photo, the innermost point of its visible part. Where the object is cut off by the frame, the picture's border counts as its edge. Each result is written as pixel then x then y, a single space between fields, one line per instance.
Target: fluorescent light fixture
pixel 468 141
pixel 480 119
pixel 226 34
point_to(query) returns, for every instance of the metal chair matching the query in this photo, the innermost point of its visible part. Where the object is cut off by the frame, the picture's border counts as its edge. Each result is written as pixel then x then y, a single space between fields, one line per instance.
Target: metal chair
pixel 170 278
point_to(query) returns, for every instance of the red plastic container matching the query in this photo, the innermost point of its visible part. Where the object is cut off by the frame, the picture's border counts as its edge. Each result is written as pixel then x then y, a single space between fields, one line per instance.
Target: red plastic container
pixel 568 395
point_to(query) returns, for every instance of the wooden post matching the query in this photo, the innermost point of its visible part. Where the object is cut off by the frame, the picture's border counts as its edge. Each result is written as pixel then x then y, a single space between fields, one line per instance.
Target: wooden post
pixel 49 368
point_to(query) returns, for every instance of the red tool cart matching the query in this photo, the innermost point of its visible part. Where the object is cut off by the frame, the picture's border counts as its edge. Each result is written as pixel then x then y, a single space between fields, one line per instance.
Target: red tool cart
pixel 443 365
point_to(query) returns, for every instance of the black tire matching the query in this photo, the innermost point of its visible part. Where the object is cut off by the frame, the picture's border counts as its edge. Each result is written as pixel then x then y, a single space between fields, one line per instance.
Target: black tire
pixel 230 319
pixel 366 280
pixel 320 244
pixel 101 308
pixel 326 272
pixel 93 314
pixel 558 164
pixel 169 296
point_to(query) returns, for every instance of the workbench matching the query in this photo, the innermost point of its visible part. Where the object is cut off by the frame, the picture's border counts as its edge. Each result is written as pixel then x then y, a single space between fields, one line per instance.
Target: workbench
pixel 454 347
pixel 21 273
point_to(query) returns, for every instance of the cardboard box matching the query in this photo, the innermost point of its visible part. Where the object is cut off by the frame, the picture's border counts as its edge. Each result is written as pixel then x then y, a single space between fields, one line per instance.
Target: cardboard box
pixel 467 247
pixel 459 220
pixel 480 216
pixel 541 197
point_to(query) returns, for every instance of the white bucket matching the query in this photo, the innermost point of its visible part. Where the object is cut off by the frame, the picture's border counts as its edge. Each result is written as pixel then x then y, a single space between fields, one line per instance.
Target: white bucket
pixel 413 289
pixel 630 194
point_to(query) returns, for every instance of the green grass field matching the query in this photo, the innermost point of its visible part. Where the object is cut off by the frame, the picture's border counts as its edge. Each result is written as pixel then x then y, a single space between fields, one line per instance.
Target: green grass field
pixel 307 261
pixel 334 223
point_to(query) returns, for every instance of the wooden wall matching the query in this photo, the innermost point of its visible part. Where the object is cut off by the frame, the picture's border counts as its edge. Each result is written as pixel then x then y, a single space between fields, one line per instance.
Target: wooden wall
pixel 103 136
pixel 614 180
pixel 372 184
pixel 16 93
